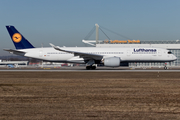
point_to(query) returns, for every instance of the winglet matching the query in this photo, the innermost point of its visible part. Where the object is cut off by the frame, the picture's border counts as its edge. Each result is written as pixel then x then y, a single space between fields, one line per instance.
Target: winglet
pixel 55 47
pixel 51 44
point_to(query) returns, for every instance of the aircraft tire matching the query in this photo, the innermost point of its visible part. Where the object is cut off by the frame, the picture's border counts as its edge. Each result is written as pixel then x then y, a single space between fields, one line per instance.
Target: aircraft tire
pixel 88 67
pixel 93 67
pixel 165 68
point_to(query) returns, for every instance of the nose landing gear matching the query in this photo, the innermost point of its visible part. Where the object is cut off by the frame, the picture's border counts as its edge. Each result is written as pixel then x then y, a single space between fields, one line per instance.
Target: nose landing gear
pixel 165 67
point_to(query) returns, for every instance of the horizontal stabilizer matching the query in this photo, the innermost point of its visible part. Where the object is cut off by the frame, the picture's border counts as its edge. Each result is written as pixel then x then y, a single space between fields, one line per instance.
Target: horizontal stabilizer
pixel 15 51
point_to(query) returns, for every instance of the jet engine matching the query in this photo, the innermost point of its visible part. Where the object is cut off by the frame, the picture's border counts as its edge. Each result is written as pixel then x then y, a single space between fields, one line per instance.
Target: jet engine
pixel 112 62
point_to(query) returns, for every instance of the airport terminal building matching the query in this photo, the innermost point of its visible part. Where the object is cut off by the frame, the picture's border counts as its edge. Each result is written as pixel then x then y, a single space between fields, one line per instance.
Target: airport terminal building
pixel 172 45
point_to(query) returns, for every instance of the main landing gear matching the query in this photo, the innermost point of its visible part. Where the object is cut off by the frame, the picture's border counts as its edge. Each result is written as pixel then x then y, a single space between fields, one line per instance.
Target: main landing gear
pixel 90 67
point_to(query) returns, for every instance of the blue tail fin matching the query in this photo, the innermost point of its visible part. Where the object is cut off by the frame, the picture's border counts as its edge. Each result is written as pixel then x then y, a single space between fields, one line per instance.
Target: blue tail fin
pixel 19 41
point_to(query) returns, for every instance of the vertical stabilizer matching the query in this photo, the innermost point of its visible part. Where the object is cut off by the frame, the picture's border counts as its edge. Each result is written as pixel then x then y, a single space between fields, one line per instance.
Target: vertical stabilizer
pixel 19 41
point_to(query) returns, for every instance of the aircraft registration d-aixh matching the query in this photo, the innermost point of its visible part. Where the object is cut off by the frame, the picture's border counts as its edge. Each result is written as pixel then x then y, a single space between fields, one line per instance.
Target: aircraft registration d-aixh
pixel 110 57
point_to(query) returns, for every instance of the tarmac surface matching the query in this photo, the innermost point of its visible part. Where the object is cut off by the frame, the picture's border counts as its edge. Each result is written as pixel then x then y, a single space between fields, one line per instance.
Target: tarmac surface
pixel 98 69
pixel 90 95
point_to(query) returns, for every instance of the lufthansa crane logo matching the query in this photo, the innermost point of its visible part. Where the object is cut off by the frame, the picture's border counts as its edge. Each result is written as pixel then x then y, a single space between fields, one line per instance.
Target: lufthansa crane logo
pixel 17 37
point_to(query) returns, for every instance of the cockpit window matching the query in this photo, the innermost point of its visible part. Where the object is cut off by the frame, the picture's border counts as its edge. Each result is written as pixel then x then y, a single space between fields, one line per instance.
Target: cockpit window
pixel 169 52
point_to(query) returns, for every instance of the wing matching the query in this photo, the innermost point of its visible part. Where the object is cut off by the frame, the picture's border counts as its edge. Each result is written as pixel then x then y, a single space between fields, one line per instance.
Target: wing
pixel 80 54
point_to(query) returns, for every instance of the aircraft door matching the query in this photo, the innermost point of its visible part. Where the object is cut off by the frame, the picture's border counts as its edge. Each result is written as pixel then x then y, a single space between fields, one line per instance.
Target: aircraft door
pixel 159 53
pixel 128 53
pixel 40 53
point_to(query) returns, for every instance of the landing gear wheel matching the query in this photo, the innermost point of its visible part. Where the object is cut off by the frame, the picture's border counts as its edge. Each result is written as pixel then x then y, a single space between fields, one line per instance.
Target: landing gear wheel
pixel 88 67
pixel 165 68
pixel 93 67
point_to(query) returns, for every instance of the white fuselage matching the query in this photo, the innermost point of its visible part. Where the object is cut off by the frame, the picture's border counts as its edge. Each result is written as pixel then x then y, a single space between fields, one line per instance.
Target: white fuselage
pixel 125 54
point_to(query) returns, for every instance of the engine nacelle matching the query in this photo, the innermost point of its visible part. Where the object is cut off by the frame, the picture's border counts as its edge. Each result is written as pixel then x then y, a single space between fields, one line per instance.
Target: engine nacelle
pixel 112 62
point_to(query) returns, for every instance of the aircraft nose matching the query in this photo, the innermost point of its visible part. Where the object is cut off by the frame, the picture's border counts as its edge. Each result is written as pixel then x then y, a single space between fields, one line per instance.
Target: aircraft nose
pixel 174 57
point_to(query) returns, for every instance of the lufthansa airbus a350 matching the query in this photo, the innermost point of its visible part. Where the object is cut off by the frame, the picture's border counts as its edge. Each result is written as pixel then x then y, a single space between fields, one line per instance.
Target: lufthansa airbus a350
pixel 110 57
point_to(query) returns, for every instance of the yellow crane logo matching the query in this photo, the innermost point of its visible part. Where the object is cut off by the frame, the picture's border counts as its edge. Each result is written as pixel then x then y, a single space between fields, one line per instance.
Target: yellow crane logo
pixel 17 37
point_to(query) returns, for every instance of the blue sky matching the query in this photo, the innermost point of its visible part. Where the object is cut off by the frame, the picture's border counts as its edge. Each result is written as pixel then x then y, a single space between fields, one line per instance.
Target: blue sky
pixel 67 22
